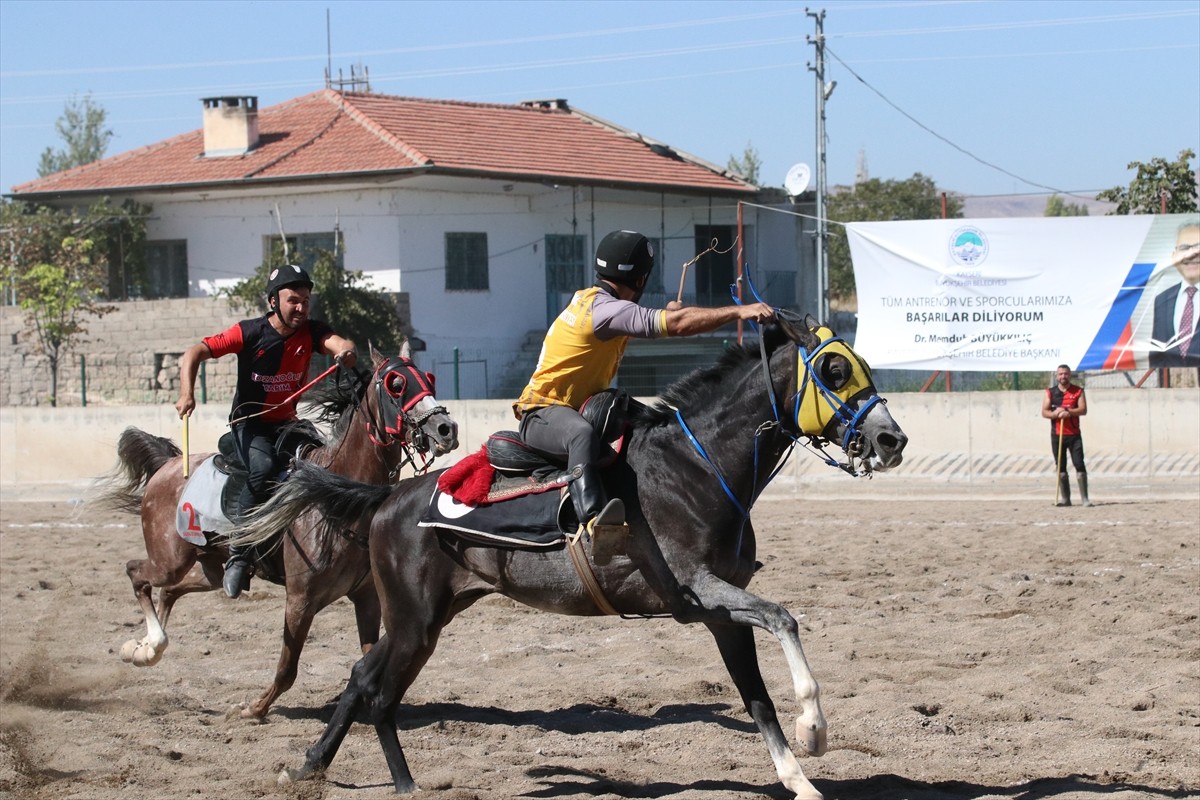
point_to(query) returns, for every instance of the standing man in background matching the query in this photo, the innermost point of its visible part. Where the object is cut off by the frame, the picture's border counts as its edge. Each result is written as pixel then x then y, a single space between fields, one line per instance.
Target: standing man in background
pixel 1063 405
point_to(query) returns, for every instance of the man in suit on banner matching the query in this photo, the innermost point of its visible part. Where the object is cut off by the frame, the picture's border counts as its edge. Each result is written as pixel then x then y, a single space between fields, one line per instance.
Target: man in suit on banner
pixel 1177 309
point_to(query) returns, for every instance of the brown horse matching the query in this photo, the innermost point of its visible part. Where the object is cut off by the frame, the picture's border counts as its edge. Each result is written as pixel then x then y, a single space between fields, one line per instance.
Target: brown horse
pixel 381 425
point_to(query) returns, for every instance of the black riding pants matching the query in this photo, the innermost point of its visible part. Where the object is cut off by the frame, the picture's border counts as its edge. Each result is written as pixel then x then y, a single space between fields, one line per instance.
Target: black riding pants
pixel 256 445
pixel 1073 444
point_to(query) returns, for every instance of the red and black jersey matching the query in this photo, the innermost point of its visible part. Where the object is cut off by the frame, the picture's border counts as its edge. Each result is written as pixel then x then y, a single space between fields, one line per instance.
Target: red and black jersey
pixel 270 366
pixel 1067 399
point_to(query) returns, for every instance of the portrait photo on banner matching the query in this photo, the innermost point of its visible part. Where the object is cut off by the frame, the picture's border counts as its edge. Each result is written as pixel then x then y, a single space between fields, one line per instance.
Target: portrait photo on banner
pixel 1164 321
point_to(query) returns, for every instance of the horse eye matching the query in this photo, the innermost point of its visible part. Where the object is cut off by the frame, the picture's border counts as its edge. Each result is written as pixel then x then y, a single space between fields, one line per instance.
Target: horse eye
pixel 835 371
pixel 395 384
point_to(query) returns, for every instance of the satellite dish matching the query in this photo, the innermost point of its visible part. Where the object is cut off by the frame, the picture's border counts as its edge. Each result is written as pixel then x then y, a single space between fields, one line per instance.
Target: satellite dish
pixel 797 179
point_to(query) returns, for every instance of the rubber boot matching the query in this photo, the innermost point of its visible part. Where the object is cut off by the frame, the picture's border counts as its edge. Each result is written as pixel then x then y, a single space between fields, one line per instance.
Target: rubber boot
pixel 1083 498
pixel 1064 489
pixel 601 518
pixel 237 572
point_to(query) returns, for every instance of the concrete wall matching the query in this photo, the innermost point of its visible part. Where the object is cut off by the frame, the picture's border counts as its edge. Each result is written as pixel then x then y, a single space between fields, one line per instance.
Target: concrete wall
pixel 981 436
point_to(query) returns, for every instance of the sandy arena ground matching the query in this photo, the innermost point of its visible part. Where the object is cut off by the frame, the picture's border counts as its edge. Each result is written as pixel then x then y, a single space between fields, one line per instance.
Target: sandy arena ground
pixel 969 644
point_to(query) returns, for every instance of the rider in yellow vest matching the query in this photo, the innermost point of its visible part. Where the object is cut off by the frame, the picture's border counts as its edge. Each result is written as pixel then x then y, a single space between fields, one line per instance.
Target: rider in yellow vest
pixel 580 356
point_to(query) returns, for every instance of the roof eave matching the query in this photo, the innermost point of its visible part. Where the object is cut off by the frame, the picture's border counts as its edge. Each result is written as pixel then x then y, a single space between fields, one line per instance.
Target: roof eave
pixel 228 183
pixel 734 190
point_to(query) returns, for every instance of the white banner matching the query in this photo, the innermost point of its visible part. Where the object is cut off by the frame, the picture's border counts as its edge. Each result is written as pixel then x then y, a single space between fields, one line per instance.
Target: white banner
pixel 1027 294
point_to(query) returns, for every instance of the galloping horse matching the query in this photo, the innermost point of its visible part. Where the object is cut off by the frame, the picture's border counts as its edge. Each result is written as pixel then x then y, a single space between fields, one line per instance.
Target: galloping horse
pixel 381 424
pixel 693 466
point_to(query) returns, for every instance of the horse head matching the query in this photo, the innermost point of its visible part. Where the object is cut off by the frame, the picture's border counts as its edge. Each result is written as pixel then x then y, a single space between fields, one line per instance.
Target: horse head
pixel 403 408
pixel 835 398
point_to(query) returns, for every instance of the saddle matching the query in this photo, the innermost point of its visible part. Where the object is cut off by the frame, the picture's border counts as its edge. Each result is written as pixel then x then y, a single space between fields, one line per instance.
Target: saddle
pixel 208 502
pixel 499 494
pixel 294 441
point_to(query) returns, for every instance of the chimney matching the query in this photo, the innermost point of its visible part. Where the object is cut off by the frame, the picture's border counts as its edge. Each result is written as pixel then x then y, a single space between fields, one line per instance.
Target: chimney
pixel 230 126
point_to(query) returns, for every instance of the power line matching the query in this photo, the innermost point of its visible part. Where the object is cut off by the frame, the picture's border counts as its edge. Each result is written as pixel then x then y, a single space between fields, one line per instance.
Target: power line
pixel 934 133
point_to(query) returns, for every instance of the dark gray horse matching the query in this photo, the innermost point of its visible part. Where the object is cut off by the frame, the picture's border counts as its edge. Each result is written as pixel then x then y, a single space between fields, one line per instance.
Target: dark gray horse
pixel 694 464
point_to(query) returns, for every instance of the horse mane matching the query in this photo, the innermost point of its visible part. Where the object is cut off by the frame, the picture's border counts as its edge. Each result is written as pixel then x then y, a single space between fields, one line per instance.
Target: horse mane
pixel 701 385
pixel 330 401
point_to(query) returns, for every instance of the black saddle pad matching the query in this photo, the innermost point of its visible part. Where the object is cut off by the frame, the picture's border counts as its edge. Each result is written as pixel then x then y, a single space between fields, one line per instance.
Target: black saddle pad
pixel 528 521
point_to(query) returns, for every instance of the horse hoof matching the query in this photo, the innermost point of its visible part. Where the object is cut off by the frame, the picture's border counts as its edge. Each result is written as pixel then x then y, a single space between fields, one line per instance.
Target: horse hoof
pixel 144 655
pixel 127 650
pixel 289 775
pixel 250 714
pixel 813 737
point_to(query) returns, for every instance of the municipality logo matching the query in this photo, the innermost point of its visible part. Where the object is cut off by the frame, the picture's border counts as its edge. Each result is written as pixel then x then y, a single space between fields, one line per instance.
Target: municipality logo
pixel 968 246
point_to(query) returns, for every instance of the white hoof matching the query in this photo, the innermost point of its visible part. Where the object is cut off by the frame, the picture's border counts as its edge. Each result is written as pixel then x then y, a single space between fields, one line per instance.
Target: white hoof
pixel 285 777
pixel 146 656
pixel 809 794
pixel 813 738
pixel 128 649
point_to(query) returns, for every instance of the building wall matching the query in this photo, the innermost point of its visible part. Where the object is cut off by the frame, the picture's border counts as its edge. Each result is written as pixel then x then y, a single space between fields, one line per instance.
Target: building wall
pixel 395 234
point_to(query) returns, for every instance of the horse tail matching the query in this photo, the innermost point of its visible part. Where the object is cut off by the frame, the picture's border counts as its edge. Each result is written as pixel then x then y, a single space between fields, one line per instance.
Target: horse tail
pixel 139 456
pixel 341 502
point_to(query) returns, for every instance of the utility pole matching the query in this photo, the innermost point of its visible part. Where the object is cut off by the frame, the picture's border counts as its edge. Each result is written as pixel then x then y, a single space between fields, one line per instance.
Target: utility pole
pixel 823 92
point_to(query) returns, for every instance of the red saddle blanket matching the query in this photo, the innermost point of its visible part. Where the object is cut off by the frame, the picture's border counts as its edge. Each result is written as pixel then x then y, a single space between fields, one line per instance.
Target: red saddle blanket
pixel 475 482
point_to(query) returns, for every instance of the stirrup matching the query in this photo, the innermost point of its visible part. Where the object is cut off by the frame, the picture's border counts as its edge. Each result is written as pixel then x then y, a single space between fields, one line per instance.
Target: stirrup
pixel 609 532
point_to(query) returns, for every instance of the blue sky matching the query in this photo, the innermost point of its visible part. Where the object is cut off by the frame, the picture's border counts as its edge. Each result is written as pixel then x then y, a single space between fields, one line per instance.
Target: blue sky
pixel 1052 95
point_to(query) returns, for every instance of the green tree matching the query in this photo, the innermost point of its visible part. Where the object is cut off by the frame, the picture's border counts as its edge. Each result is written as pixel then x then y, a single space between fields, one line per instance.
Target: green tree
pixel 58 296
pixel 1174 180
pixel 341 297
pixel 1057 207
pixel 874 200
pixel 32 234
pixel 82 129
pixel 748 166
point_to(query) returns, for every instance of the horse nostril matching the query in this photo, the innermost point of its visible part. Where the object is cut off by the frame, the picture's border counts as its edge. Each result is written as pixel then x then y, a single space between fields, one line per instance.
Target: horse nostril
pixel 445 431
pixel 892 442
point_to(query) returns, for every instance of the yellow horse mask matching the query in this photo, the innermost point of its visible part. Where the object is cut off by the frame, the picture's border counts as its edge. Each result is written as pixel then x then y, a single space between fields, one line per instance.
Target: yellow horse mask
pixel 823 390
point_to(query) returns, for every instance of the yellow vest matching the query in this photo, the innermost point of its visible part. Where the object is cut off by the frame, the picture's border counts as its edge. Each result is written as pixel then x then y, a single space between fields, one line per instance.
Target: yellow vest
pixel 573 364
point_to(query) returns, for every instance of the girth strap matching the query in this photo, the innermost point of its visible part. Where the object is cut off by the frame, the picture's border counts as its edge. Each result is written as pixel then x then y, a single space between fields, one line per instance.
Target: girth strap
pixel 586 576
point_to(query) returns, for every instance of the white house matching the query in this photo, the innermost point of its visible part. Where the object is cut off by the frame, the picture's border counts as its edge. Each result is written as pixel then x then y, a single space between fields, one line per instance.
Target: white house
pixel 485 215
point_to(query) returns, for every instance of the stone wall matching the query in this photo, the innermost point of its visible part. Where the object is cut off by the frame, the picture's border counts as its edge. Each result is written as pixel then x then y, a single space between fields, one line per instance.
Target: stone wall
pixel 130 357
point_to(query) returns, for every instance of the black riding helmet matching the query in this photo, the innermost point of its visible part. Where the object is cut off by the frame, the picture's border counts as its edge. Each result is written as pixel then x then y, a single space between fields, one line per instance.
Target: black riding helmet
pixel 289 276
pixel 624 257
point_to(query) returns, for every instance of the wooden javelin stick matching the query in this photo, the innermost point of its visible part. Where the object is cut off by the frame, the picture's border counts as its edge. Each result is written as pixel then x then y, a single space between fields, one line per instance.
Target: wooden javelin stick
pixel 712 248
pixel 289 399
pixel 1058 477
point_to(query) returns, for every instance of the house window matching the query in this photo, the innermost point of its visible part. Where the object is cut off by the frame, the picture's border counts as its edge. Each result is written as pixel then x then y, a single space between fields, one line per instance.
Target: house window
pixel 654 285
pixel 466 262
pixel 303 248
pixel 715 272
pixel 565 262
pixel 166 269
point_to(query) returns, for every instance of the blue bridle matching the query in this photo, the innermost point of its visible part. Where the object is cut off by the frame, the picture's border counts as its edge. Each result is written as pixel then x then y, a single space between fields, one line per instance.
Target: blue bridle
pixel 842 412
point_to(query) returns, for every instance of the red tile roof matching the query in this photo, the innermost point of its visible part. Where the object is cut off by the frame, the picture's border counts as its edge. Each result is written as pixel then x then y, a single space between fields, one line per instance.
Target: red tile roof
pixel 332 135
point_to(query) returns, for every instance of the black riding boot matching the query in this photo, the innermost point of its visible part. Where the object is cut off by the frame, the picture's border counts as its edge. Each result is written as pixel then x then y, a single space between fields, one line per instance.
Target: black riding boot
pixel 237 571
pixel 1064 489
pixel 1082 477
pixel 603 519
